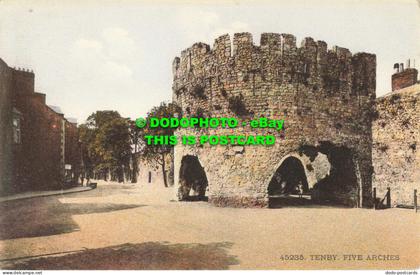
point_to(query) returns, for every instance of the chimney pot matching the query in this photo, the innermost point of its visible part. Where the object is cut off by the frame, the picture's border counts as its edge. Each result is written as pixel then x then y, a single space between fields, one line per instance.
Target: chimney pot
pixel 396 68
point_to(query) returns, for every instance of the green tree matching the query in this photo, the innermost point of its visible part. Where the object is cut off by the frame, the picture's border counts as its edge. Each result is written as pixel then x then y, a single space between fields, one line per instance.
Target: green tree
pixel 156 154
pixel 98 119
pixel 113 146
pixel 90 160
pixel 107 144
pixel 136 135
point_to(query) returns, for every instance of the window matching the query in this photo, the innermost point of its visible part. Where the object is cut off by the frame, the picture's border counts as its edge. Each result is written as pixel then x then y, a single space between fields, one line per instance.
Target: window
pixel 16 130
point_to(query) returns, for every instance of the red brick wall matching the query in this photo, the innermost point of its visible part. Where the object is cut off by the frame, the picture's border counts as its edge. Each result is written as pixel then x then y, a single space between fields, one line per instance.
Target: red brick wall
pixel 37 159
pixel 23 82
pixel 404 79
pixel 6 140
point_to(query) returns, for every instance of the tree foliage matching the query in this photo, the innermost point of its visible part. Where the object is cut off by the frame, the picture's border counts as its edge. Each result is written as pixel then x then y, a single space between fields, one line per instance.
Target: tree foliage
pixel 107 145
pixel 156 154
pixel 110 143
pixel 136 136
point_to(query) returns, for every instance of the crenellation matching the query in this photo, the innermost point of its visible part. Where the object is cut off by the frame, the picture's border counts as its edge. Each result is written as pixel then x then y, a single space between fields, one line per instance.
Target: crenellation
pixel 364 74
pixel 197 54
pixel 322 49
pixel 270 41
pixel 309 52
pixel 342 53
pixel 277 59
pixel 344 67
pixel 242 44
pixel 222 49
pixel 288 43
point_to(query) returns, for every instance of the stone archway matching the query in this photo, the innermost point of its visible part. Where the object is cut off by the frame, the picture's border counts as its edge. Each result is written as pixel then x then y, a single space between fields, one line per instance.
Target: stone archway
pixel 288 177
pixel 328 174
pixel 289 183
pixel 342 186
pixel 192 179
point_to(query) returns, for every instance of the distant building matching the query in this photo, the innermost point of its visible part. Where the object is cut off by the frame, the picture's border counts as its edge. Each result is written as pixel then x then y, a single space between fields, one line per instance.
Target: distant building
pixel 33 136
pixel 396 138
pixel 403 78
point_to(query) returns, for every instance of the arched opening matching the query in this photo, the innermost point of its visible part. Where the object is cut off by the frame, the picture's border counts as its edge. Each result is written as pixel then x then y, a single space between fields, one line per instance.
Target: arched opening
pixel 289 184
pixel 341 187
pixel 192 180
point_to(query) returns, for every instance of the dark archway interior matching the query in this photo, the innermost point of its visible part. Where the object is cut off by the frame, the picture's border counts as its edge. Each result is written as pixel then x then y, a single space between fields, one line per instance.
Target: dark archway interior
pixel 192 177
pixel 340 187
pixel 289 179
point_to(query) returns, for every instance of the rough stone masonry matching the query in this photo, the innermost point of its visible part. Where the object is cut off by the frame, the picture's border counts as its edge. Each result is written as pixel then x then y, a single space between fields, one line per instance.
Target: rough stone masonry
pixel 325 96
pixel 396 138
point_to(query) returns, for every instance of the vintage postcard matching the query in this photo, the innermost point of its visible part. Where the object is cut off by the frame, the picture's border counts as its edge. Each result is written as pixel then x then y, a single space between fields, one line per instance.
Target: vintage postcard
pixel 209 135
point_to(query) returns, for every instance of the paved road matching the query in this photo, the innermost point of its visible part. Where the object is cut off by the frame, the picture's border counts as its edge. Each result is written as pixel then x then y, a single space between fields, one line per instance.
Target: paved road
pixel 138 227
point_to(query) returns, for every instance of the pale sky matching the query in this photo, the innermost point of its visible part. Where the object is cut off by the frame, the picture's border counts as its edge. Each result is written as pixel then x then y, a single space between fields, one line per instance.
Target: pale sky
pixel 101 55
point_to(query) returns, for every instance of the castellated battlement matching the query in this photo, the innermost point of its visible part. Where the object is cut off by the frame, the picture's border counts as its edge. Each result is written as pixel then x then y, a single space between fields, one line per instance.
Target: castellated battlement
pixel 277 58
pixel 325 96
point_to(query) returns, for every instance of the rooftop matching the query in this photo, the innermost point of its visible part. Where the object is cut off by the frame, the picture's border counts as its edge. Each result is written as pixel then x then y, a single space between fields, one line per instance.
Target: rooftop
pixel 56 109
pixel 413 90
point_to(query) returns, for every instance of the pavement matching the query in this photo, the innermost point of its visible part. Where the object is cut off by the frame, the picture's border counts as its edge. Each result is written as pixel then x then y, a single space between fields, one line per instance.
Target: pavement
pixel 140 226
pixel 34 194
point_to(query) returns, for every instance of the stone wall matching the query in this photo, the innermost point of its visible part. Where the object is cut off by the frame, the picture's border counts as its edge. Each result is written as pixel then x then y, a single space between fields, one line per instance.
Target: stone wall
pixel 156 176
pixel 396 142
pixel 324 95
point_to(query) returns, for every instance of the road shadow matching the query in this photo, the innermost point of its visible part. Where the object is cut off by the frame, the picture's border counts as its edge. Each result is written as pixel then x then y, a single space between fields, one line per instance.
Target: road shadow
pixel 296 202
pixel 143 256
pixel 196 198
pixel 47 216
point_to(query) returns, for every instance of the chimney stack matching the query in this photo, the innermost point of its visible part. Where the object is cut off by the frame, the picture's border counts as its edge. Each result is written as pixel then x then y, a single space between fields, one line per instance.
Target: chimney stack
pixel 403 78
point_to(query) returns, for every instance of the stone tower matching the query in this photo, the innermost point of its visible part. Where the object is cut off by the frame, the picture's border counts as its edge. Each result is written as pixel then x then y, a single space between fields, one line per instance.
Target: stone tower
pixel 324 95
